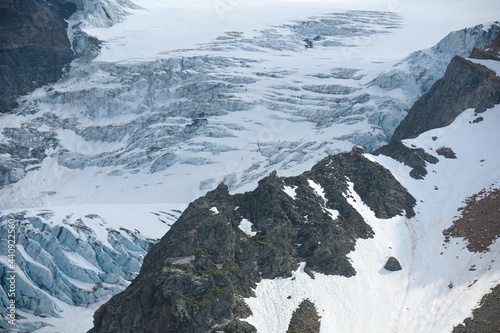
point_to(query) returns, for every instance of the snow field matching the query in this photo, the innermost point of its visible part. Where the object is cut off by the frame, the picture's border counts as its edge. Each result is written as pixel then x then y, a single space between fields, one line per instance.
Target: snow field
pixel 160 27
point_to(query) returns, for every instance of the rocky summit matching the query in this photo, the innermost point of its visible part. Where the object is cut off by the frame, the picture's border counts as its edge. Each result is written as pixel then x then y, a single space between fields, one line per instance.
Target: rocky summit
pixel 465 85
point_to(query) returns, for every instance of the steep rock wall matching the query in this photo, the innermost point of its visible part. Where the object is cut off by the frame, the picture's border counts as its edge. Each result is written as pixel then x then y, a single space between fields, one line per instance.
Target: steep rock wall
pixel 465 85
pixel 34 46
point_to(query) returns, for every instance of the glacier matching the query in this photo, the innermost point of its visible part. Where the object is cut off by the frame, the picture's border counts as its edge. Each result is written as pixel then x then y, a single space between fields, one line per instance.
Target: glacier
pixel 228 110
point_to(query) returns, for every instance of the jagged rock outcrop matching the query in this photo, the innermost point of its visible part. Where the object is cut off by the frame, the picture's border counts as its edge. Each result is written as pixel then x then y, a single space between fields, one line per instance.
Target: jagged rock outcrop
pixel 465 85
pixel 446 152
pixel 415 158
pixel 305 319
pixel 34 46
pixel 194 279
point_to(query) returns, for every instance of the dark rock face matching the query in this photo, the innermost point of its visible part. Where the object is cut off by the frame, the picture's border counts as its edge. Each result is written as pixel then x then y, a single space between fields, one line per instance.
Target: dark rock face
pixel 305 319
pixel 486 318
pixel 465 85
pixel 34 46
pixel 194 279
pixel 414 158
pixel 393 265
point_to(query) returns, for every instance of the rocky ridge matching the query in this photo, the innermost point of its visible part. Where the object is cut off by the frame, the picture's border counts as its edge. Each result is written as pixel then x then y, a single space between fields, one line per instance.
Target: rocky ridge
pixel 416 158
pixel 464 85
pixel 222 245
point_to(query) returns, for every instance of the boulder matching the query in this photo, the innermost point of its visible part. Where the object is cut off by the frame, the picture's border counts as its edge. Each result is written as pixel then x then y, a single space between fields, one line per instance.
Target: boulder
pixel 357 150
pixel 393 265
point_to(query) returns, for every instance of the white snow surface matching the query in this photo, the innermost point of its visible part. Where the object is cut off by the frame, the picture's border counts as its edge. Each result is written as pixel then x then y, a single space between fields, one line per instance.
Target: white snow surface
pixel 160 27
pixel 246 227
pixel 320 191
pixel 290 191
pixel 417 298
pixel 231 109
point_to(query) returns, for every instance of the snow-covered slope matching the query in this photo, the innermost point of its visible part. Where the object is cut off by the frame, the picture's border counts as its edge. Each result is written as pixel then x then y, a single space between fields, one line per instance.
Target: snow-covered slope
pixel 158 27
pixel 440 282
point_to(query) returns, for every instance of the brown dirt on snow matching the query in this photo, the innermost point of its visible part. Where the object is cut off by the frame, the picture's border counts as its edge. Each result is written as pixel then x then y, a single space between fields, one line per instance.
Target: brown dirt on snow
pixel 480 221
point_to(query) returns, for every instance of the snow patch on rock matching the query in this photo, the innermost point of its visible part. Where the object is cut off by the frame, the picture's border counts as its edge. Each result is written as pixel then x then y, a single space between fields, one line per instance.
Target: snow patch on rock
pixel 246 227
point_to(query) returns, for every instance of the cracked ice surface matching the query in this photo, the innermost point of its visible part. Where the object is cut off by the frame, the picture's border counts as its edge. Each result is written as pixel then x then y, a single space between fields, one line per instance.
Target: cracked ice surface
pixel 230 110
